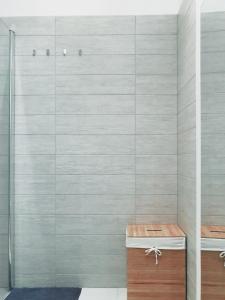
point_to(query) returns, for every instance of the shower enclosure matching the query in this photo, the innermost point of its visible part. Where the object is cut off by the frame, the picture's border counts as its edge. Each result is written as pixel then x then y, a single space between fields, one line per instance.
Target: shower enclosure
pixel 97 146
pixel 6 154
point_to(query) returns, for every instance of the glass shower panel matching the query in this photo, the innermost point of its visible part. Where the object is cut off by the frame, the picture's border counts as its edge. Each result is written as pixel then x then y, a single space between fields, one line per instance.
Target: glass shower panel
pixel 6 97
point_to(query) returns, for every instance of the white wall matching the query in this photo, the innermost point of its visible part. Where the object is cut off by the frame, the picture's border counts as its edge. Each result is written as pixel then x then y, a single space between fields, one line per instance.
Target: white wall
pixel 213 5
pixel 87 7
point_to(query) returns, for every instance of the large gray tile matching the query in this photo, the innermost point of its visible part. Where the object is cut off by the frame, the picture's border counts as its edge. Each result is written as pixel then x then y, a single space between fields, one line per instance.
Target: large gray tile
pixel 99 280
pixel 95 144
pixel 34 224
pixel 156 184
pixel 101 244
pixel 94 184
pixel 213 103
pixel 4 63
pixel 156 84
pixel 95 84
pixel 35 65
pixel 213 21
pixel 95 204
pixel 156 144
pixel 4 203
pixel 4 124
pixel 4 30
pixel 34 144
pixel 4 85
pixel 4 144
pixel 213 165
pixel 156 104
pixel 28 105
pixel 4 45
pixel 4 164
pixel 4 105
pixel 101 124
pixel 36 240
pixel 213 144
pixel 34 204
pixel 26 44
pixel 156 124
pixel 4 183
pixel 95 104
pixel 100 264
pixel 213 83
pixel 156 44
pixel 213 123
pixel 95 25
pixel 4 244
pixel 156 164
pixel 104 44
pixel 35 164
pixel 35 184
pixel 156 64
pixel 213 41
pixel 32 25
pixel 92 224
pixel 156 219
pixel 95 64
pixel 212 205
pixel 212 62
pixel 35 280
pixel 4 224
pixel 156 204
pixel 213 185
pixel 4 270
pixel 156 24
pixel 35 85
pixel 74 164
pixel 34 261
pixel 38 124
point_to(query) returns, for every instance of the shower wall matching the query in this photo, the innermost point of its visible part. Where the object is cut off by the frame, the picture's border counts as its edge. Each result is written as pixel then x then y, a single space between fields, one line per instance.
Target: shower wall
pixel 96 143
pixel 187 147
pixel 4 122
pixel 213 118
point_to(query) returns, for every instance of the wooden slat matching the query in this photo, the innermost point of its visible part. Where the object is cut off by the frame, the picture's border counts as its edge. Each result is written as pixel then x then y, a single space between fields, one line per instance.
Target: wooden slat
pixel 213 231
pixel 213 276
pixel 154 230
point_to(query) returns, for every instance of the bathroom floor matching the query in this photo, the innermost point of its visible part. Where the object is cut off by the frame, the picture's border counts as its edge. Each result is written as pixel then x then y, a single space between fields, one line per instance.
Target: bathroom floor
pixel 103 294
pixel 91 294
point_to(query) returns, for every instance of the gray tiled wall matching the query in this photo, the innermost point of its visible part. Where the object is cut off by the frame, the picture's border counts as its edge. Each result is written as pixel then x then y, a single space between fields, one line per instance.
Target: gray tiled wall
pixel 4 138
pixel 187 138
pixel 96 143
pixel 213 118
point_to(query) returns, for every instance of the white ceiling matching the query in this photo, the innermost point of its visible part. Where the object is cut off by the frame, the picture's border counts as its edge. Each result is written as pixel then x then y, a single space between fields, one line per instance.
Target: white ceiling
pixel 213 5
pixel 87 7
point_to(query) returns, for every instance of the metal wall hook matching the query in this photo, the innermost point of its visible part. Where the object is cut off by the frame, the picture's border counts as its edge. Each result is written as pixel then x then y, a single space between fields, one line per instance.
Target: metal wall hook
pixel 48 52
pixel 80 52
pixel 34 53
